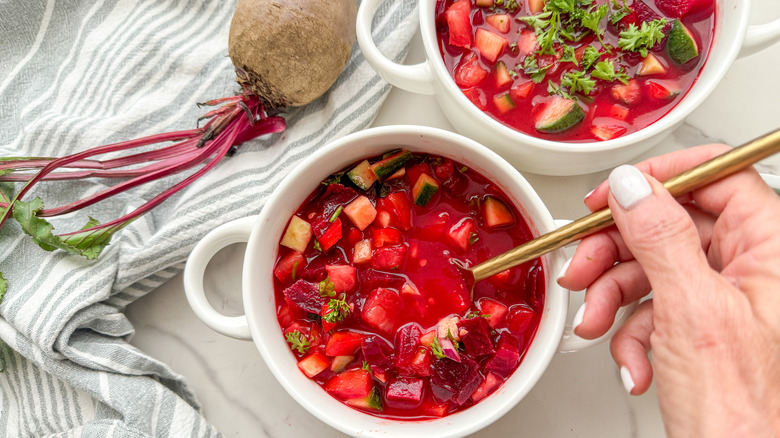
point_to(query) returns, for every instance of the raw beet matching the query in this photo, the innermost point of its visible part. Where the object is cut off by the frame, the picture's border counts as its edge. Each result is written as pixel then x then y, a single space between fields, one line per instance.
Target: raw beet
pixel 305 296
pixel 407 341
pixel 476 340
pixel 454 381
pixel 405 392
pixel 327 203
pixel 376 352
pixel 507 354
pixel 375 279
pixel 682 8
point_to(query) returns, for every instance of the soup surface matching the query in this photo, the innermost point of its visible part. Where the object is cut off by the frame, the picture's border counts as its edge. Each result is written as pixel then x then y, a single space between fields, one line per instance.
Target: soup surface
pixel 371 304
pixel 575 70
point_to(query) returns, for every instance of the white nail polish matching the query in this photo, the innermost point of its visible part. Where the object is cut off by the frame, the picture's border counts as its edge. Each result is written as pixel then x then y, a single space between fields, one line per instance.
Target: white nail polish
pixel 628 382
pixel 578 317
pixel 589 194
pixel 563 270
pixel 628 185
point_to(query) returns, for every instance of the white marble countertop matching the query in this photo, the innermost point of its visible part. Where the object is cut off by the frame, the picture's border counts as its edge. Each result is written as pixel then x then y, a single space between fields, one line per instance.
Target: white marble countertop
pixel 580 395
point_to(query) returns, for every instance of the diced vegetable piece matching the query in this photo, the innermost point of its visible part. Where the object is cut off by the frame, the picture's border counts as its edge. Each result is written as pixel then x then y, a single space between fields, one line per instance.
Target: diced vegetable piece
pixel 288 314
pixel 362 175
pixel 297 235
pixel 502 75
pixel 558 115
pixel 459 23
pixel 476 96
pixel 326 325
pixel 491 382
pixel 504 361
pixel 340 362
pixel 619 112
pixel 629 93
pixel 388 166
pixel 406 392
pixel 496 213
pixel 607 132
pixel 362 252
pixel 401 210
pixel 424 189
pixel 344 277
pixel 361 212
pixel 519 318
pixel 522 91
pixel 494 310
pixel 343 343
pixel 469 72
pixel 454 381
pixel 681 44
pixel 536 6
pixel 289 267
pixel 449 349
pixel 413 299
pixel 682 8
pixel 350 384
pixel 376 352
pixel 659 92
pixel 389 258
pixel 420 364
pixel 463 234
pixel 381 309
pixel 503 103
pixel 314 364
pixel 500 22
pixel 371 402
pixel 490 44
pixel 331 236
pixel 407 341
pixel 475 335
pixel 305 296
pixel 527 42
pixel 448 327
pixel 397 175
pixel 651 65
pixel 385 236
pixel 484 3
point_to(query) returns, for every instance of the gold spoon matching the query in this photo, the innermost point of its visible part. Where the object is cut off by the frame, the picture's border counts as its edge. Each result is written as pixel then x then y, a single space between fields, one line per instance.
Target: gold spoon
pixel 710 171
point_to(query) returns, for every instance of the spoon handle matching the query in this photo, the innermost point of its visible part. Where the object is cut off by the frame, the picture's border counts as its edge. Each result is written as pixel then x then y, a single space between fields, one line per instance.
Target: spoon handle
pixel 710 171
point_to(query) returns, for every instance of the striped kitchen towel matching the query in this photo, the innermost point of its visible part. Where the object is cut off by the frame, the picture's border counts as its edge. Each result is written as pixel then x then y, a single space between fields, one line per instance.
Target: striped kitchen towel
pixel 76 74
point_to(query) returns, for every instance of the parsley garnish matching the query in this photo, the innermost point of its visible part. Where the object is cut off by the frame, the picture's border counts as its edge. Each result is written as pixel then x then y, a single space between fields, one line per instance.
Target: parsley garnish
pixel 643 38
pixel 619 12
pixel 476 314
pixel 297 341
pixel 569 55
pixel 590 20
pixel 531 68
pixel 578 82
pixel 327 288
pixel 473 238
pixel 436 349
pixel 589 56
pixel 606 70
pixel 333 179
pixel 339 310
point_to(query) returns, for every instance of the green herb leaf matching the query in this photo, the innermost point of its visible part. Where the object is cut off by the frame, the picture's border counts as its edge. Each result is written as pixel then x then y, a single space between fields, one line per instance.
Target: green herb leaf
pixel 509 5
pixel 531 68
pixel 578 82
pixel 339 310
pixel 317 245
pixel 366 366
pixel 476 314
pixel 294 269
pixel 538 22
pixel 327 288
pixel 335 214
pixel 297 341
pixel 619 12
pixel 643 38
pixel 589 56
pixel 553 88
pixel 473 238
pixel 569 55
pixel 590 20
pixel 333 179
pixel 606 70
pixel 436 349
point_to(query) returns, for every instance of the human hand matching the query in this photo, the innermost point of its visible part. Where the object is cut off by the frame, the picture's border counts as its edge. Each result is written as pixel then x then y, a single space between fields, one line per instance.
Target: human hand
pixel 712 260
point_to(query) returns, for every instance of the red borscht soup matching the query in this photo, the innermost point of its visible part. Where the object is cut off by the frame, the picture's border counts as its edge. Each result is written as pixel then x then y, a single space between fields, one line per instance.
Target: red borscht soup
pixel 575 70
pixel 373 307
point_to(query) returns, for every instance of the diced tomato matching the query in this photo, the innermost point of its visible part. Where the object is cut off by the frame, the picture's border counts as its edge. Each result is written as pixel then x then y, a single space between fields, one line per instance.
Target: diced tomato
pixel 331 236
pixel 463 233
pixel 362 252
pixel 383 236
pixel 389 258
pixel 607 132
pixel 343 343
pixel 314 364
pixel 500 22
pixel 350 384
pixel 496 213
pixel 494 310
pixel 304 295
pixel 629 93
pixel 290 267
pixel 490 383
pixel 469 72
pixel 490 44
pixel 477 97
pixel 401 209
pixel 520 92
pixel 344 277
pixel 658 91
pixel 381 309
pixel 459 23
pixel 361 212
pixel 519 318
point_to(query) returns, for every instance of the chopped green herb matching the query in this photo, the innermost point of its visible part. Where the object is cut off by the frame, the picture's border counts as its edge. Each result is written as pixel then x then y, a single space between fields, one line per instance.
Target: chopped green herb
pixel 366 366
pixel 335 214
pixel 327 288
pixel 333 179
pixel 578 82
pixel 589 56
pixel 641 39
pixel 553 88
pixel 463 169
pixel 436 349
pixel 531 68
pixel 509 5
pixel 294 269
pixel 606 70
pixel 473 238
pixel 317 246
pixel 339 310
pixel 475 314
pixel 297 341
pixel 619 12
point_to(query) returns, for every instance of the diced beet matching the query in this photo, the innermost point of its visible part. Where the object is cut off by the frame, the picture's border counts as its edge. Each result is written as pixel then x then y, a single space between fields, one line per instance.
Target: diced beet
pixel 407 341
pixel 519 318
pixel 459 23
pixel 305 296
pixel 343 343
pixel 476 339
pixel 381 309
pixel 494 310
pixel 373 279
pixel 489 385
pixel 683 8
pixel 404 392
pixel 350 384
pixel 389 258
pixel 469 72
pixel 288 314
pixel 454 381
pixel 344 277
pixel 290 267
pixel 376 352
pixel 385 236
pixel 644 12
pixel 504 361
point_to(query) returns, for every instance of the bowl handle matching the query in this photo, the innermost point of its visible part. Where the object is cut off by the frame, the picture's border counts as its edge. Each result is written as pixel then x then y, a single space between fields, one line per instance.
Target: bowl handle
pixel 416 78
pixel 237 231
pixel 759 37
pixel 571 342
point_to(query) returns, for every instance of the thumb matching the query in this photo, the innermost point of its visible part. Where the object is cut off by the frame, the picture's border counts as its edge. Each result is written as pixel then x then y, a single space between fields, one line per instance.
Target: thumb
pixel 658 231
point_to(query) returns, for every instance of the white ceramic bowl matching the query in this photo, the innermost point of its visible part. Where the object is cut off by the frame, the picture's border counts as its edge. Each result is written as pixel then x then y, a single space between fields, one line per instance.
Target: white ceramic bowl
pixel 733 37
pixel 264 232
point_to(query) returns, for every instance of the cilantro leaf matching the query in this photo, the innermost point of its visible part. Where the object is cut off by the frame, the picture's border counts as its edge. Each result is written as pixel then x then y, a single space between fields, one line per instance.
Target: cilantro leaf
pixel 297 341
pixel 553 88
pixel 538 21
pixel 641 39
pixel 590 20
pixel 606 70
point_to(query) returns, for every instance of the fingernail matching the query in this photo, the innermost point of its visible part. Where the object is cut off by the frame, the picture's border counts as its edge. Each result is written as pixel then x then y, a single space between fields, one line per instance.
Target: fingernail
pixel 628 185
pixel 562 272
pixel 578 317
pixel 590 193
pixel 625 376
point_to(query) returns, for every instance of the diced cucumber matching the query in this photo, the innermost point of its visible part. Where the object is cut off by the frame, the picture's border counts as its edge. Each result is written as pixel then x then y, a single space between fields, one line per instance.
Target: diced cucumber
pixel 681 44
pixel 373 401
pixel 503 77
pixel 503 103
pixel 362 175
pixel 560 114
pixel 424 189
pixel 651 65
pixel 390 165
pixel 297 235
